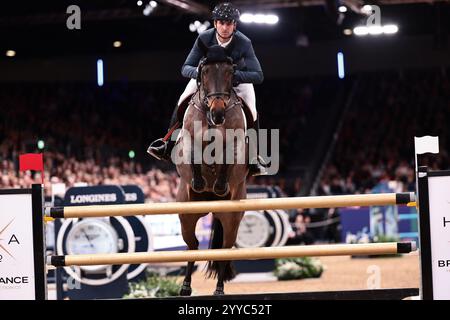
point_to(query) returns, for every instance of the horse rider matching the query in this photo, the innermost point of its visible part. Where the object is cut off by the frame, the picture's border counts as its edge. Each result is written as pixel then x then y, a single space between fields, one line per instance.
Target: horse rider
pixel 247 72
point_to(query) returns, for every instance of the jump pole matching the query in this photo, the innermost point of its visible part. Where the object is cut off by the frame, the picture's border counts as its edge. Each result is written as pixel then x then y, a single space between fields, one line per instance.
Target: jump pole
pixel 381 199
pixel 233 254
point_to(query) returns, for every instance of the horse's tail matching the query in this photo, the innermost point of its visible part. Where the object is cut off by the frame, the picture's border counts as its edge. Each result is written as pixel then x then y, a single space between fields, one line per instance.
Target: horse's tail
pixel 216 242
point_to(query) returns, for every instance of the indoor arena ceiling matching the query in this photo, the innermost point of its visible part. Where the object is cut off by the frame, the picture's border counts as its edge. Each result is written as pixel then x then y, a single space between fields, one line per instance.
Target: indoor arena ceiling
pixel 39 28
pixel 42 12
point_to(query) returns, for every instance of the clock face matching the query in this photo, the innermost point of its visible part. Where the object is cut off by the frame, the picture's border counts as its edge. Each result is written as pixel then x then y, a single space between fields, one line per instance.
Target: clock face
pixel 254 230
pixel 91 237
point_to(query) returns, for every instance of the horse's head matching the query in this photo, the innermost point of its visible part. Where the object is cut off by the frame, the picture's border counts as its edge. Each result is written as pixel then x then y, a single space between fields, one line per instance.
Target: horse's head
pixel 216 83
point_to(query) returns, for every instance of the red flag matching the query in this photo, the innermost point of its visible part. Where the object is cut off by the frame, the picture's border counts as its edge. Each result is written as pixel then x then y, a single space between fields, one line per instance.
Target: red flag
pixel 31 161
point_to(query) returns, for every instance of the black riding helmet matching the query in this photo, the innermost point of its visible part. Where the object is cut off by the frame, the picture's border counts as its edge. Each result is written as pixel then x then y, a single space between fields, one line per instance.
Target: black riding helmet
pixel 225 11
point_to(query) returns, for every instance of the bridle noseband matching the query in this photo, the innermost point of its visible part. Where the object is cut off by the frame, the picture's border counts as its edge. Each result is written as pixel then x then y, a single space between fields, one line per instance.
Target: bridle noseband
pixel 217 95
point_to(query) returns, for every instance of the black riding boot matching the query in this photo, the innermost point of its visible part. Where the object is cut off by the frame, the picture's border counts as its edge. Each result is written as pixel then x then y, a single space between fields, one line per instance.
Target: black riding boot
pixel 160 148
pixel 257 166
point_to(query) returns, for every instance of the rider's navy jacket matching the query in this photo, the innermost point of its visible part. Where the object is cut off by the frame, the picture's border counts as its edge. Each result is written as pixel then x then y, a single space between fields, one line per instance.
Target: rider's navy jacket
pixel 248 69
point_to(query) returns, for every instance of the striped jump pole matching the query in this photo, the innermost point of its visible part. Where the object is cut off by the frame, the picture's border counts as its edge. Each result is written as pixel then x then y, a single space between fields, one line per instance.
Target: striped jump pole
pixel 381 199
pixel 233 254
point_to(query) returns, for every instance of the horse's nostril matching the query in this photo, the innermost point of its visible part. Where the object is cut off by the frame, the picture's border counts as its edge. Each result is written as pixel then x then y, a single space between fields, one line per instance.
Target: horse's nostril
pixel 218 116
pixel 218 119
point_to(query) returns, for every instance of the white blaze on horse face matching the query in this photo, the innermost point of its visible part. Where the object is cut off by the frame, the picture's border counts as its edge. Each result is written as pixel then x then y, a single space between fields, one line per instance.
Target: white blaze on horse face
pixel 213 152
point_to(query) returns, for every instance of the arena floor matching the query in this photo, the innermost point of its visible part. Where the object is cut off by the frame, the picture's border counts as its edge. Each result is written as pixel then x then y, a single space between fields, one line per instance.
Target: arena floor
pixel 340 273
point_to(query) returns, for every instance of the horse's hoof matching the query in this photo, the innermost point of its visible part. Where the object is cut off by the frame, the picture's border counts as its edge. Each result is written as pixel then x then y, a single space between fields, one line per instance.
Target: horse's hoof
pixel 198 185
pixel 219 293
pixel 185 292
pixel 220 189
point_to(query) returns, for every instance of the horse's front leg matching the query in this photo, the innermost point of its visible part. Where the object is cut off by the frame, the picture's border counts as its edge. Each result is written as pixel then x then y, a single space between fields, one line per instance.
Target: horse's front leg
pixel 198 183
pixel 221 186
pixel 188 223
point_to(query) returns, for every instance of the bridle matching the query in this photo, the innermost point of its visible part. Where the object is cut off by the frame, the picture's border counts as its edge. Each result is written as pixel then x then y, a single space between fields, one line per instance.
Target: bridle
pixel 217 96
pixel 222 95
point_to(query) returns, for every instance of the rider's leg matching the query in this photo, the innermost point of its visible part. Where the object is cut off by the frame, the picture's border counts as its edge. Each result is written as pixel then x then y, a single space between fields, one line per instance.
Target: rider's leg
pixel 162 148
pixel 256 164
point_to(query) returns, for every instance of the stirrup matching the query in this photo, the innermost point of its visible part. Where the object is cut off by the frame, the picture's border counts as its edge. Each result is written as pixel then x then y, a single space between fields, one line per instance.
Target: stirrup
pixel 262 162
pixel 258 167
pixel 158 149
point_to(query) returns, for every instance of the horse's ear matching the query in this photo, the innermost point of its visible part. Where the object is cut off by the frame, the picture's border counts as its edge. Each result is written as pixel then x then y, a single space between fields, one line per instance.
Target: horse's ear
pixel 202 46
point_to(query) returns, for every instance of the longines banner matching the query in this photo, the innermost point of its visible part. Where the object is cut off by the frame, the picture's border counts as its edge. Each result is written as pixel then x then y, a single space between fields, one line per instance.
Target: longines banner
pixel 16 247
pixel 439 204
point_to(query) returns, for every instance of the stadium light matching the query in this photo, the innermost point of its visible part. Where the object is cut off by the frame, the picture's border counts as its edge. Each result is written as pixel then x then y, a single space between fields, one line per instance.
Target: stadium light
pixel 348 32
pixel 390 29
pixel 10 53
pixel 259 18
pixel 149 8
pixel 375 30
pixel 100 72
pixel 199 27
pixel 361 31
pixel 367 9
pixel 340 64
pixel 41 144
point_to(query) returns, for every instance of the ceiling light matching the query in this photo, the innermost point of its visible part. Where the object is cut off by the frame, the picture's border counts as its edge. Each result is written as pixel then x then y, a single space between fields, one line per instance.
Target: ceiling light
pixel 348 32
pixel 390 29
pixel 10 53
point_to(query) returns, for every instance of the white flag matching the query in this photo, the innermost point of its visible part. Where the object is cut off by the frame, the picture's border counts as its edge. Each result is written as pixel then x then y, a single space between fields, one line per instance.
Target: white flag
pixel 426 144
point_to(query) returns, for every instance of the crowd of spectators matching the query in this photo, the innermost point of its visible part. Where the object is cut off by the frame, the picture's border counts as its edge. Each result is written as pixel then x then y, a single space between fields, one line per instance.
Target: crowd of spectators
pixel 158 186
pixel 375 144
pixel 88 131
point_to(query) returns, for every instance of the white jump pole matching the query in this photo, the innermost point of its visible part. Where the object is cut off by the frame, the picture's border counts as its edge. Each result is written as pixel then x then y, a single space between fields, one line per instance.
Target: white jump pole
pixel 233 254
pixel 382 199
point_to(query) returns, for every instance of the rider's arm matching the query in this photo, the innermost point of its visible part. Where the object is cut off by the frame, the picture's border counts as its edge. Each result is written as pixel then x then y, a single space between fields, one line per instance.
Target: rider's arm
pixel 253 72
pixel 189 68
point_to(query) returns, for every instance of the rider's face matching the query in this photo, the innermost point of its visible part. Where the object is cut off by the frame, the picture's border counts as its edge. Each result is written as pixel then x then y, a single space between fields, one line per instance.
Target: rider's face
pixel 224 28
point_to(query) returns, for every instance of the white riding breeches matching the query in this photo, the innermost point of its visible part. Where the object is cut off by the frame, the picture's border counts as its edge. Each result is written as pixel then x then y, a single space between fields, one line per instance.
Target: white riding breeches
pixel 244 91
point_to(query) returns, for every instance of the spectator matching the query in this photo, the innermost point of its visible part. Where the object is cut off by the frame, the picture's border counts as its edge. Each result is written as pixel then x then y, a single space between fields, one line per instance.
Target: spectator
pixel 300 233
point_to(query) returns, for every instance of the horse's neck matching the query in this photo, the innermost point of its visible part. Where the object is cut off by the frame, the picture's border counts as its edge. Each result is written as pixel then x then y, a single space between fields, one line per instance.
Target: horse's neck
pixel 196 98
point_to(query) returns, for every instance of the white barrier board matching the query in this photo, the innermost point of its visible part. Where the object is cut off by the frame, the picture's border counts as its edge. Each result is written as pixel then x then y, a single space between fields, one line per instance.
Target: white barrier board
pixel 17 280
pixel 439 201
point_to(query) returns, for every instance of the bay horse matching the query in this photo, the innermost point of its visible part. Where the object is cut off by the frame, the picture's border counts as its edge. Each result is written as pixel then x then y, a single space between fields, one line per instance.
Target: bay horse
pixel 214 107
